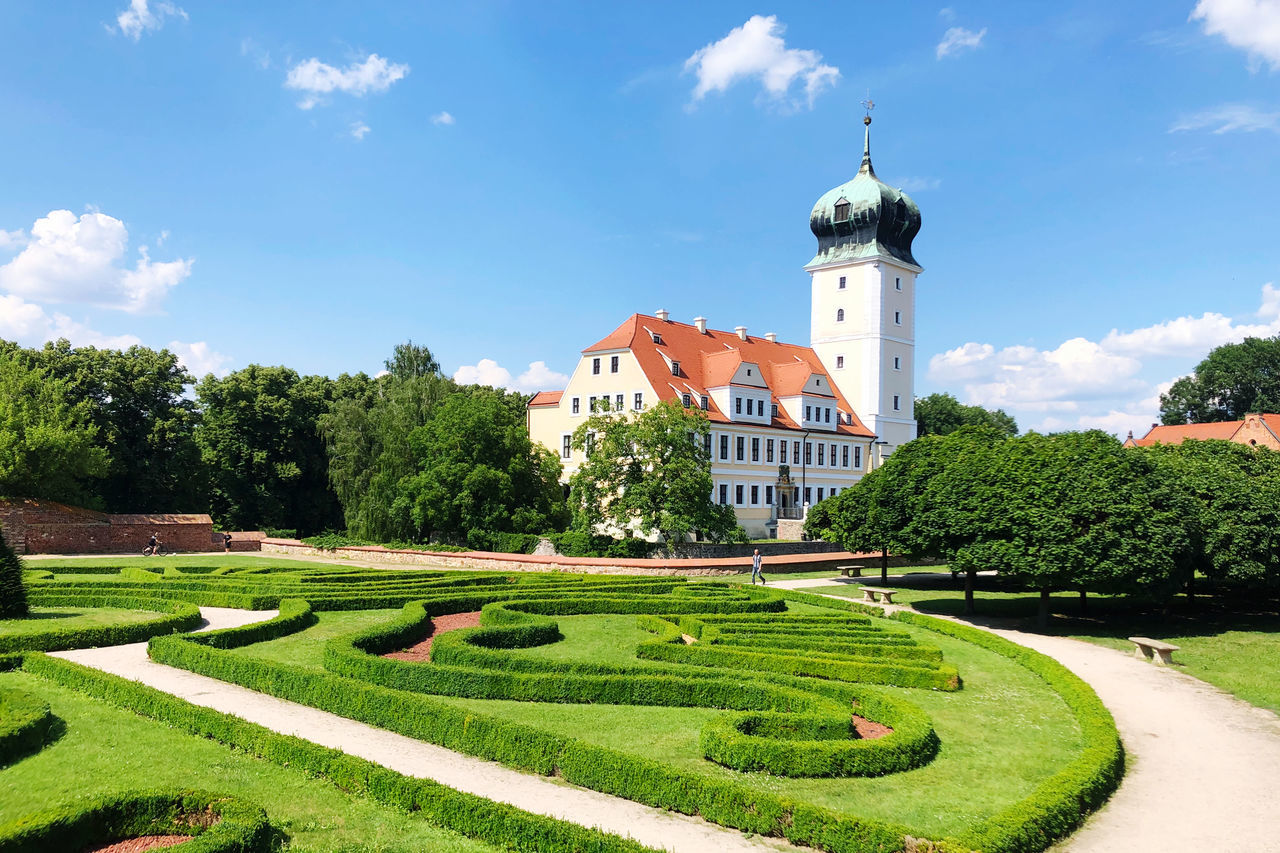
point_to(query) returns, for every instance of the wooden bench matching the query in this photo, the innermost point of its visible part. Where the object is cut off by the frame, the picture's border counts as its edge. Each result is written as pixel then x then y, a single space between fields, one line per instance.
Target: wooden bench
pixel 876 593
pixel 1155 651
pixel 850 571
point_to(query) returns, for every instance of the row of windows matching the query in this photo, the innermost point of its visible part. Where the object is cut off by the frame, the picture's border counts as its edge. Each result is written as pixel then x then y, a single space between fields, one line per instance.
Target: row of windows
pixel 788 452
pixel 613 365
pixel 750 494
pixel 605 403
pixel 897 281
pixel 897 362
pixel 897 318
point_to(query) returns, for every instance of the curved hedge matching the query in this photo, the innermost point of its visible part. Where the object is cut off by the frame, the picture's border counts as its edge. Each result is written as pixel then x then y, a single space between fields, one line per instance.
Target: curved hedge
pixel 241 827
pixel 171 616
pixel 26 724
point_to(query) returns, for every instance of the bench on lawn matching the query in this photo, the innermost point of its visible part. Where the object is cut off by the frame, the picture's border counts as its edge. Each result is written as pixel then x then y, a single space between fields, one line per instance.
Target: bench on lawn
pixel 876 593
pixel 1155 651
pixel 850 571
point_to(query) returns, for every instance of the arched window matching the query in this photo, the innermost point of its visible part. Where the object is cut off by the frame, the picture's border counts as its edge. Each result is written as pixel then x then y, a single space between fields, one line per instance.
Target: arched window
pixel 839 315
pixel 842 210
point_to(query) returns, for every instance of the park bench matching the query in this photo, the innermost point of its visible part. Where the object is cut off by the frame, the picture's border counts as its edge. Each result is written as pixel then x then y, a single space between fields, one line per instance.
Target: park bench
pixel 1153 650
pixel 876 593
pixel 850 571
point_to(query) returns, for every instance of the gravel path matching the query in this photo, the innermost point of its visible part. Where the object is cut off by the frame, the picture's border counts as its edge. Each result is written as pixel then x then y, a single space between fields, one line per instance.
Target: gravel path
pixel 538 794
pixel 1203 767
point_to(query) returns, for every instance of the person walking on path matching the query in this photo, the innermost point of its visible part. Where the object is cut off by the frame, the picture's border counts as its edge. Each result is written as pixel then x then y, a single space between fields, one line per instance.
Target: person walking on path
pixel 756 562
pixel 226 541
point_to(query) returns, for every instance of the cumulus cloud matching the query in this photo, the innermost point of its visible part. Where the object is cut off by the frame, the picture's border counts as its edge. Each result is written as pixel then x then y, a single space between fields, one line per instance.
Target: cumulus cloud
pixel 10 240
pixel 315 79
pixel 538 377
pixel 70 259
pixel 29 324
pixel 757 50
pixel 957 40
pixel 442 118
pixel 358 130
pixel 143 17
pixel 1249 25
pixel 199 358
pixel 1229 118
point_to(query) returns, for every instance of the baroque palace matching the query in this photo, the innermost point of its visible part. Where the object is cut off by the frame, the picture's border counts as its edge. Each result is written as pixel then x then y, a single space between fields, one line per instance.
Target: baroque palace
pixel 790 424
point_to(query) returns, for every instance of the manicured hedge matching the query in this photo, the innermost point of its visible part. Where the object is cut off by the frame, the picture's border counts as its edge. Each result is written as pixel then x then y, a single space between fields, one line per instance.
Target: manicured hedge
pixel 295 615
pixel 26 724
pixel 171 616
pixel 498 824
pixel 13 595
pixel 241 826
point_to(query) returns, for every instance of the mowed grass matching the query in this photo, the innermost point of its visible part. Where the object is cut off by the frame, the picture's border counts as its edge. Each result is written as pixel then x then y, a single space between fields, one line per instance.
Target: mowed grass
pixel 1002 734
pixel 1230 643
pixel 72 618
pixel 107 750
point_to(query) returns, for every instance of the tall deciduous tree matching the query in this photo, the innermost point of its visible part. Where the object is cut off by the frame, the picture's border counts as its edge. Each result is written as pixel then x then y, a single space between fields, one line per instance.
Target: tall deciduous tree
pixel 478 470
pixel 48 445
pixel 649 472
pixel 1232 381
pixel 13 594
pixel 941 414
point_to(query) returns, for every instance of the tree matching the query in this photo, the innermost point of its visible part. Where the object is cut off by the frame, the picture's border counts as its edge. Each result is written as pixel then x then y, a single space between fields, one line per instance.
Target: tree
pixel 1232 381
pixel 13 595
pixel 941 414
pixel 478 470
pixel 260 442
pixel 649 472
pixel 48 445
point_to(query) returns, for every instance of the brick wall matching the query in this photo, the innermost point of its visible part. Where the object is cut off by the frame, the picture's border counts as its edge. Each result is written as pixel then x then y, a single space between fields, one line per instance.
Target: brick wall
pixel 46 527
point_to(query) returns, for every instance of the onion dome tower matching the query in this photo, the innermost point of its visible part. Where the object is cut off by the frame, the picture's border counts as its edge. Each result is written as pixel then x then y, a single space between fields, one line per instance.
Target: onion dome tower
pixel 863 281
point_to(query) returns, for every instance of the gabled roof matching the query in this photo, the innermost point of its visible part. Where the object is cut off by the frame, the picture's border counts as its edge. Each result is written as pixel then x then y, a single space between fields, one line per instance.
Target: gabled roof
pixel 1178 433
pixel 546 398
pixel 710 360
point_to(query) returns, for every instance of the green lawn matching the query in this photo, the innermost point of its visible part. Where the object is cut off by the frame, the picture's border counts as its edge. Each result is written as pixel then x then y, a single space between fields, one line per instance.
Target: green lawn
pixel 105 750
pixel 73 618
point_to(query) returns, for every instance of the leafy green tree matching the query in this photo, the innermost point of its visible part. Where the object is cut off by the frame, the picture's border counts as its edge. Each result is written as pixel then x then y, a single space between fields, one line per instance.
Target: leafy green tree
pixel 48 445
pixel 941 414
pixel 13 594
pixel 649 472
pixel 260 443
pixel 144 423
pixel 1232 381
pixel 478 470
pixel 1236 494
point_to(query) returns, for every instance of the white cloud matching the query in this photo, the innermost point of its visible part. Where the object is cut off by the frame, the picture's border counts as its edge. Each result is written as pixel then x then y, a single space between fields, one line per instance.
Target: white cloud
pixel 198 358
pixel 1229 118
pixel 140 17
pixel 442 118
pixel 1250 25
pixel 70 259
pixel 538 377
pixel 10 240
pixel 958 39
pixel 757 50
pixel 29 324
pixel 946 13
pixel 917 184
pixel 261 56
pixel 359 129
pixel 317 79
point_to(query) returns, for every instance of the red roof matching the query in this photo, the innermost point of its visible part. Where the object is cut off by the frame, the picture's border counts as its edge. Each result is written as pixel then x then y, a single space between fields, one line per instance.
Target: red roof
pixel 710 360
pixel 546 398
pixel 1178 433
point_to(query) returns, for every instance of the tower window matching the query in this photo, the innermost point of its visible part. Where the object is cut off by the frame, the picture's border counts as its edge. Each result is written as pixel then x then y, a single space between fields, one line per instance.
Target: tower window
pixel 842 282
pixel 897 283
pixel 897 317
pixel 842 211
pixel 613 364
pixel 896 403
pixel 839 361
pixel 897 362
pixel 839 315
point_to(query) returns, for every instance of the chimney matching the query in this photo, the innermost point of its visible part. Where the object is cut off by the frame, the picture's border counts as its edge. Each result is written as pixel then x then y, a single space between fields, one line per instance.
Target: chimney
pixel 742 332
pixel 771 337
pixel 701 323
pixel 662 314
pixel 1130 438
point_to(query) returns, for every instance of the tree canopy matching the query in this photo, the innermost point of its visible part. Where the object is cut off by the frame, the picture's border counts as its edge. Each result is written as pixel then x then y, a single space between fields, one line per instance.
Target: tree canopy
pixel 942 414
pixel 649 471
pixel 13 594
pixel 1232 381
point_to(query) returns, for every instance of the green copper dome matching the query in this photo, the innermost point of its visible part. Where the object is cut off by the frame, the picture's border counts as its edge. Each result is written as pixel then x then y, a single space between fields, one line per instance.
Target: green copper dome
pixel 864 218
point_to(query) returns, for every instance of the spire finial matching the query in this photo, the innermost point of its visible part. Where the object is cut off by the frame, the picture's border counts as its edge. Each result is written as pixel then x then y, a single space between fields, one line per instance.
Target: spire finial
pixel 867 105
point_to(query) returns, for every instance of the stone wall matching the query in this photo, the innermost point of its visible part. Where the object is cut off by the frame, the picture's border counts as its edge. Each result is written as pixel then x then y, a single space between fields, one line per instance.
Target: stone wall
pixel 47 527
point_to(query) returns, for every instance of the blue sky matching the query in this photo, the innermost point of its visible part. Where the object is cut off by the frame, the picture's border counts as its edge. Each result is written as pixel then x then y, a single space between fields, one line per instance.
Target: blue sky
pixel 310 184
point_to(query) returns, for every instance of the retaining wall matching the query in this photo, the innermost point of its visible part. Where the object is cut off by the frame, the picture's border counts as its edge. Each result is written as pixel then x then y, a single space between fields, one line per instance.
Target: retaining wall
pixel 46 527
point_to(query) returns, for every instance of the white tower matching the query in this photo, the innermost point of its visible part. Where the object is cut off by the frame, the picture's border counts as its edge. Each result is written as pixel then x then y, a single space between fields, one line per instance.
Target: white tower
pixel 863 298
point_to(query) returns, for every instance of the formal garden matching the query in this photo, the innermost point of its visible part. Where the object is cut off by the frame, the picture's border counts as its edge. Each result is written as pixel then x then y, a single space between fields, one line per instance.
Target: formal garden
pixel 776 713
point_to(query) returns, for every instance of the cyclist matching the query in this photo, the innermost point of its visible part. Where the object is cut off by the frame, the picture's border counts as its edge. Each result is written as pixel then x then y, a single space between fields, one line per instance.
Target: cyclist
pixel 153 546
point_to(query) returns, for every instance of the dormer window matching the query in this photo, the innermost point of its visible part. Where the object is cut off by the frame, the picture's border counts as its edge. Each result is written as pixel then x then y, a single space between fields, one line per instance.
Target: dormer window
pixel 775 410
pixel 686 400
pixel 657 338
pixel 675 368
pixel 704 403
pixel 842 210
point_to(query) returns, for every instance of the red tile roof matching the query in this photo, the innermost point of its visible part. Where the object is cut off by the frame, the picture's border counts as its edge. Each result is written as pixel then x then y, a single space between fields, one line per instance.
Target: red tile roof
pixel 710 360
pixel 546 398
pixel 1178 433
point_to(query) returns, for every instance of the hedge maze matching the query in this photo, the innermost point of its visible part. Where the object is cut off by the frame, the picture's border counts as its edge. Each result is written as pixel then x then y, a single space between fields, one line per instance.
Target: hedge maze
pixel 782 681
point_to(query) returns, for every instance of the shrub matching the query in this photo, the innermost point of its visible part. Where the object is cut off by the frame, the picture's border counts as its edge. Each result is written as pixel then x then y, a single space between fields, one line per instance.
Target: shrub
pixel 171 616
pixel 281 532
pixel 502 543
pixel 26 724
pixel 13 594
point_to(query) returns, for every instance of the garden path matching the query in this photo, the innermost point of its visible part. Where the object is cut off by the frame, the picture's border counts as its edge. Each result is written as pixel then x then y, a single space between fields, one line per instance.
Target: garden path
pixel 537 794
pixel 1203 766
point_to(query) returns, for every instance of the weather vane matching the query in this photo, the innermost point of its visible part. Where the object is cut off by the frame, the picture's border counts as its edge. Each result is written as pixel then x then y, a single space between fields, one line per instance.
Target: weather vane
pixel 868 105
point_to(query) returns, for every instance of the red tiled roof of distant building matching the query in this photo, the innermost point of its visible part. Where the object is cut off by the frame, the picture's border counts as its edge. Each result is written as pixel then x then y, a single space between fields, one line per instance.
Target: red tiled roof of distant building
pixel 706 360
pixel 546 398
pixel 1178 433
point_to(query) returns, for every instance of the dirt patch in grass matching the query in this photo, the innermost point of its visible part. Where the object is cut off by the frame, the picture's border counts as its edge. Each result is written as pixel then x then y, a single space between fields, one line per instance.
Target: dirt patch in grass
pixel 142 843
pixel 421 651
pixel 868 730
